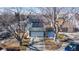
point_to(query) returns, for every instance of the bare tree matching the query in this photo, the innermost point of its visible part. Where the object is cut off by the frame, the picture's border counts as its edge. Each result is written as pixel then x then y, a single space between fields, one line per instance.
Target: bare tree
pixel 51 12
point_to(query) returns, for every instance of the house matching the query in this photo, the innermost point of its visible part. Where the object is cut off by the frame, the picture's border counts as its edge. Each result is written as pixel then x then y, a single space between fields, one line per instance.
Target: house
pixel 36 28
pixel 68 26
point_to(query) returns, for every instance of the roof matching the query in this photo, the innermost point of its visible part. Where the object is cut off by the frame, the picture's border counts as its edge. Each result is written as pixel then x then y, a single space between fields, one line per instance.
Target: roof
pixel 40 18
pixel 35 20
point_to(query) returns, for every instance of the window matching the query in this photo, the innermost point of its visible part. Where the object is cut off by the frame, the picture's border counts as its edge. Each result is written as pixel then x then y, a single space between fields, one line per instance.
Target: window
pixel 37 34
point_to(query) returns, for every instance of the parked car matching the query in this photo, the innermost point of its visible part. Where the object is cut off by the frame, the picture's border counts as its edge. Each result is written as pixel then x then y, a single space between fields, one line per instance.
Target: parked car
pixel 73 46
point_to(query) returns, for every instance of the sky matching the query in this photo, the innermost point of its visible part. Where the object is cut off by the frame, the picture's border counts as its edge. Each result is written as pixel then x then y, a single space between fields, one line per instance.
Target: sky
pixel 37 10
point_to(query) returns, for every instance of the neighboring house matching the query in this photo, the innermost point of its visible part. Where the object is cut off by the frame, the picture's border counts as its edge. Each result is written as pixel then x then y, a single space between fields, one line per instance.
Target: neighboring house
pixel 70 25
pixel 67 27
